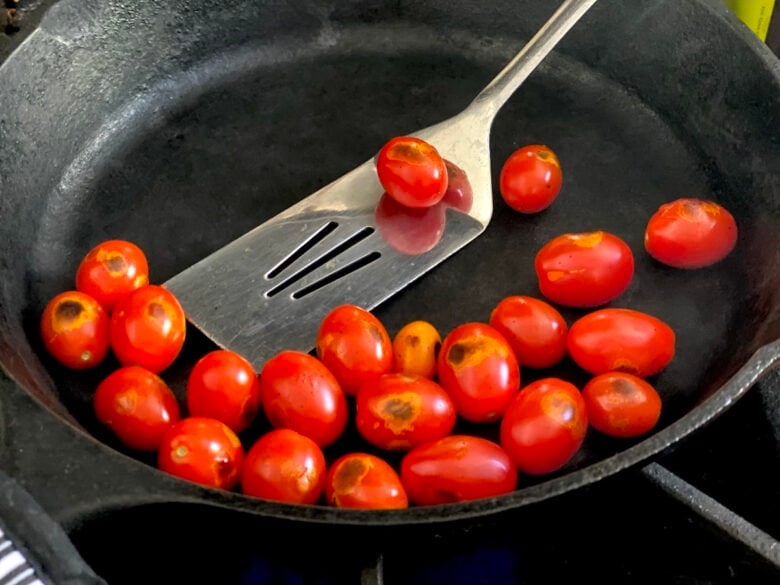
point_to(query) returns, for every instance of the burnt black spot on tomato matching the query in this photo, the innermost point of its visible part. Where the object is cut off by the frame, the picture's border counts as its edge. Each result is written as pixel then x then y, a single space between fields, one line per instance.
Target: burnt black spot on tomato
pixel 624 387
pixel 460 351
pixel 414 340
pixel 156 311
pixel 408 152
pixel 116 263
pixel 398 409
pixel 68 311
pixel 349 474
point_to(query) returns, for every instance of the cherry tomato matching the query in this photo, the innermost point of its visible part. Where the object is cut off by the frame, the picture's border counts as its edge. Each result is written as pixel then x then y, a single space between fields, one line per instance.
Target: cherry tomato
pixel 398 411
pixel 409 230
pixel 148 328
pixel 544 426
pixel 455 469
pixel 362 480
pixel 478 369
pixel 415 349
pixel 412 171
pixel 284 466
pixel 137 405
pixel 621 404
pixel 223 385
pixel 75 330
pixel 535 330
pixel 690 233
pixel 621 340
pixel 459 194
pixel 202 450
pixel 584 269
pixel 530 178
pixel 112 269
pixel 298 392
pixel 354 345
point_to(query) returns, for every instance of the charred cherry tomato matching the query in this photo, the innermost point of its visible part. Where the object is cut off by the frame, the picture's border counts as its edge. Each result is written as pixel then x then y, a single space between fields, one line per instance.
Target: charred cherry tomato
pixel 223 385
pixel 362 480
pixel 398 411
pixel 478 369
pixel 415 349
pixel 137 405
pixel 284 466
pixel 354 345
pixel 621 404
pixel 623 340
pixel 690 233
pixel 584 269
pixel 298 392
pixel 202 450
pixel 412 171
pixel 530 178
pixel 409 230
pixel 112 269
pixel 455 469
pixel 535 330
pixel 148 328
pixel 544 426
pixel 75 330
pixel 459 194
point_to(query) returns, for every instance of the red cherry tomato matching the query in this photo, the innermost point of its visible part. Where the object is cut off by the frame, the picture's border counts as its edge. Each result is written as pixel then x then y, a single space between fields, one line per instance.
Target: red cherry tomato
pixel 455 469
pixel 690 233
pixel 412 171
pixel 409 230
pixel 397 411
pixel 415 349
pixel 535 330
pixel 544 426
pixel 284 466
pixel 75 330
pixel 478 369
pixel 148 328
pixel 621 340
pixel 202 450
pixel 362 480
pixel 112 269
pixel 584 269
pixel 298 392
pixel 354 345
pixel 137 405
pixel 223 385
pixel 621 404
pixel 530 179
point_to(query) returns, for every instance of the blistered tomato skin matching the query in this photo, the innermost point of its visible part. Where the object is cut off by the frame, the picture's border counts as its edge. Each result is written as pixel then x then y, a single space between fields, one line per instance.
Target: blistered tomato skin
pixel 623 340
pixel 584 269
pixel 691 233
pixel 75 330
pixel 544 426
pixel 621 405
pixel 478 369
pixel 412 171
pixel 457 468
pixel 112 269
pixel 362 480
pixel 531 179
pixel 415 349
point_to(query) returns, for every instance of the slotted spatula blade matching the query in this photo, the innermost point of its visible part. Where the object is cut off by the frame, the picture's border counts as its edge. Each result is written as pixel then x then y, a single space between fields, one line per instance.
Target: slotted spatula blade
pixel 269 289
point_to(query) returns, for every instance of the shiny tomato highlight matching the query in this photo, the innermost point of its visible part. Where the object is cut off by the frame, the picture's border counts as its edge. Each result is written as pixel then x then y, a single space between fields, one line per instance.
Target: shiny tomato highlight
pixel 112 269
pixel 621 404
pixel 362 480
pixel 412 171
pixel 74 329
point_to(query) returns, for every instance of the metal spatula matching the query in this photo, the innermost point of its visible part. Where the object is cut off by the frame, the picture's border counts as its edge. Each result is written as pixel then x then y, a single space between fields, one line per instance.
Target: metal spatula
pixel 269 289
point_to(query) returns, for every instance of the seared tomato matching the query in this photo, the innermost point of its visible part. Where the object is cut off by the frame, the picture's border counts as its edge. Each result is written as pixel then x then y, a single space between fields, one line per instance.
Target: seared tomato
pixel 478 369
pixel 621 404
pixel 400 411
pixel 584 269
pixel 112 269
pixel 75 330
pixel 531 178
pixel 298 392
pixel 354 345
pixel 691 233
pixel 224 385
pixel 202 450
pixel 409 230
pixel 362 480
pixel 544 426
pixel 415 349
pixel 623 340
pixel 535 330
pixel 148 328
pixel 455 469
pixel 284 466
pixel 412 171
pixel 137 405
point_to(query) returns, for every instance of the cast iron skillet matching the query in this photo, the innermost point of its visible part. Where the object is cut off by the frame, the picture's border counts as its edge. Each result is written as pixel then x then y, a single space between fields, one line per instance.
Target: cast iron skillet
pixel 182 125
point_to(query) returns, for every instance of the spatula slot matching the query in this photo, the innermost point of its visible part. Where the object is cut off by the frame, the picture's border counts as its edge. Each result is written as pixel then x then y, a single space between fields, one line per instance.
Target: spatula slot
pixel 305 246
pixel 334 276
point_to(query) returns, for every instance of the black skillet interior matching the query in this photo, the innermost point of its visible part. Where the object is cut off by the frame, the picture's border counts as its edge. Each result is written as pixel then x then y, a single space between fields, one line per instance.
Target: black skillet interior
pixel 183 126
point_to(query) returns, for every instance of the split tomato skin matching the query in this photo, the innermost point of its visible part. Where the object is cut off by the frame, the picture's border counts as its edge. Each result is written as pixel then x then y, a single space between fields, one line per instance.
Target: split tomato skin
pixel 111 270
pixel 457 468
pixel 531 179
pixel 544 426
pixel 412 171
pixel 363 480
pixel 74 329
pixel 621 404
pixel 623 340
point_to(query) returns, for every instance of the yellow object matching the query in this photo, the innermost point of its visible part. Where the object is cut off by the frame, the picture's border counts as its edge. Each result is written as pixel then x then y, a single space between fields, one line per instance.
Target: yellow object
pixel 756 14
